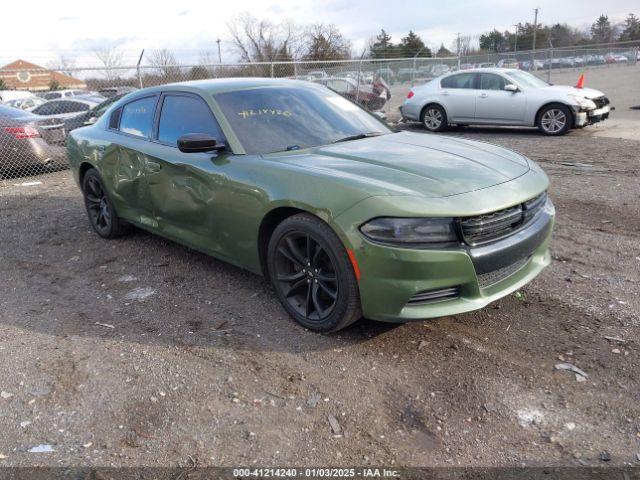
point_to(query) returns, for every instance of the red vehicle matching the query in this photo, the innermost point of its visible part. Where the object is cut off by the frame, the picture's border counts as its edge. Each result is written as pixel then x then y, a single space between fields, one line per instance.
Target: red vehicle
pixel 371 96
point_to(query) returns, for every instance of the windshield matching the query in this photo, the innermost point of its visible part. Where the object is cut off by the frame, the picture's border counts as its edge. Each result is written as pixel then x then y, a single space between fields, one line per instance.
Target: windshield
pixel 273 119
pixel 524 79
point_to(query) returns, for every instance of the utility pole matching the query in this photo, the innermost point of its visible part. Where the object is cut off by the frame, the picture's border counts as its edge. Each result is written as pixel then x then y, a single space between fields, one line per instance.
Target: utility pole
pixel 458 48
pixel 515 45
pixel 535 31
pixel 219 54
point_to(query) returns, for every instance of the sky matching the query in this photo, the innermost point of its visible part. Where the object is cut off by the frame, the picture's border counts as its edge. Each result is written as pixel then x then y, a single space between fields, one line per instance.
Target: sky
pixel 75 28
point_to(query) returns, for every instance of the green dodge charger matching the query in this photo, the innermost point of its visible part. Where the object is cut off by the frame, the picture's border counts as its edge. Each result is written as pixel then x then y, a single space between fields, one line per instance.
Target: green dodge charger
pixel 344 216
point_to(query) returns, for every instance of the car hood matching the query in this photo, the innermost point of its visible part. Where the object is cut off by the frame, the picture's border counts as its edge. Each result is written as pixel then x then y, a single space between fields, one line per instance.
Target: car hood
pixel 411 164
pixel 589 93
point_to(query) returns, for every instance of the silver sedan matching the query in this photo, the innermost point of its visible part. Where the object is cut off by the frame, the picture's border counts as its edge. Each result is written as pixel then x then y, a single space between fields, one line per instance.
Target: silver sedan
pixel 500 96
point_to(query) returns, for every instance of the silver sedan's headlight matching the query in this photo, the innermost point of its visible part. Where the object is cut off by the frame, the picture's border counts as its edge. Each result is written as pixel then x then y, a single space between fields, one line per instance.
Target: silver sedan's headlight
pixel 412 231
pixel 584 103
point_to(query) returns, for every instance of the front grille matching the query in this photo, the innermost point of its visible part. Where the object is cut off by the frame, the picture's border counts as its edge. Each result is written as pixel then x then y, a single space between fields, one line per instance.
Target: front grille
pixel 431 296
pixel 490 278
pixel 496 225
pixel 601 101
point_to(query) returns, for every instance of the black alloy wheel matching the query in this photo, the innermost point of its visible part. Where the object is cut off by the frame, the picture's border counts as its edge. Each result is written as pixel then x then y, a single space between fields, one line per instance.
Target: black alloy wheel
pixel 100 210
pixel 312 274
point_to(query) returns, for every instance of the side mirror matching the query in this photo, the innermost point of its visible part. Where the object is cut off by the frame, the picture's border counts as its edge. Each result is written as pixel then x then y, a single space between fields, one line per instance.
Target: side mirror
pixel 90 120
pixel 510 87
pixel 198 142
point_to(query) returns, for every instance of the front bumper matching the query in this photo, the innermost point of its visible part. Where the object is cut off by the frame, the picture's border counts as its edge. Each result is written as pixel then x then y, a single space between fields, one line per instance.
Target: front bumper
pixel 582 118
pixel 391 276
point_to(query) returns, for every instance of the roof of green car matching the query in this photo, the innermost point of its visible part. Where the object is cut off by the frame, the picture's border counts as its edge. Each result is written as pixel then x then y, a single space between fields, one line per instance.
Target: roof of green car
pixel 219 85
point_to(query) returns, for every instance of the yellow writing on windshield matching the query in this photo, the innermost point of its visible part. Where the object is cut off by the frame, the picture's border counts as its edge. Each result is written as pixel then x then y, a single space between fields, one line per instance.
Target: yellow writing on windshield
pixel 264 111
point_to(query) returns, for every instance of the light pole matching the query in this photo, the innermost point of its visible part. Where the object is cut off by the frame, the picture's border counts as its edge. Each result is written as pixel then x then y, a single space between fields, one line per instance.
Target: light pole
pixel 535 31
pixel 515 44
pixel 219 54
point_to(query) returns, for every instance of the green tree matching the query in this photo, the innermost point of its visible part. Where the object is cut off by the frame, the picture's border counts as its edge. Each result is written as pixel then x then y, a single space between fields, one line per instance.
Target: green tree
pixel 631 29
pixel 443 51
pixel 493 41
pixel 3 86
pixel 54 85
pixel 412 45
pixel 383 47
pixel 601 30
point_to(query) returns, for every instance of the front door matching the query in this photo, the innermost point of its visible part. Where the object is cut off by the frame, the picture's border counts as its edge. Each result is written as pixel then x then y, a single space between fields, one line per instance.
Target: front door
pixel 496 105
pixel 186 188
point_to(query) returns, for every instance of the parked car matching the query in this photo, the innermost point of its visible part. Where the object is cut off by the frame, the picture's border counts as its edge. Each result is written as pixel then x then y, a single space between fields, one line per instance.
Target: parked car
pixel 27 104
pixel 372 97
pixel 345 217
pixel 406 74
pixel 615 58
pixel 487 65
pixel 507 63
pixel 91 116
pixel 387 74
pixel 109 92
pixel 595 59
pixel 437 70
pixel 497 96
pixel 21 145
pixel 53 113
pixel 528 65
pixel 56 94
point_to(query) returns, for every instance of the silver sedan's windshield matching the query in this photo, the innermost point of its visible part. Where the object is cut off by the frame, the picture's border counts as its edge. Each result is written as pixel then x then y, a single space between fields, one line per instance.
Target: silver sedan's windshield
pixel 274 119
pixel 525 79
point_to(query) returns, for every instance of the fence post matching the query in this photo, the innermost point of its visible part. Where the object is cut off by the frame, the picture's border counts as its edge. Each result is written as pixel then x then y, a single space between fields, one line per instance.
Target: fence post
pixel 359 75
pixel 138 68
pixel 549 64
pixel 413 70
pixel 295 69
pixel 271 69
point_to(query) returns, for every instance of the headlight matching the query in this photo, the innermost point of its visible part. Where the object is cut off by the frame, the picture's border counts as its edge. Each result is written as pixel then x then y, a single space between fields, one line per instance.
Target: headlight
pixel 410 230
pixel 583 102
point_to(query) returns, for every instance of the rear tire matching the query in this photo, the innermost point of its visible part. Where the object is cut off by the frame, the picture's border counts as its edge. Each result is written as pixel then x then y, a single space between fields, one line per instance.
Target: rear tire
pixel 554 120
pixel 312 275
pixel 100 210
pixel 434 118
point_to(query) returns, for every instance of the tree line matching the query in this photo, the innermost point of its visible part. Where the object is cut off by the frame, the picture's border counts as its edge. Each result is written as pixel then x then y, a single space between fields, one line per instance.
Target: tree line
pixel 560 35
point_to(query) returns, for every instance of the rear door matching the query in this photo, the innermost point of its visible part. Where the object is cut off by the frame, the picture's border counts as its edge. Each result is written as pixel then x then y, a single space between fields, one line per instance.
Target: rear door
pixel 458 94
pixel 124 161
pixel 496 105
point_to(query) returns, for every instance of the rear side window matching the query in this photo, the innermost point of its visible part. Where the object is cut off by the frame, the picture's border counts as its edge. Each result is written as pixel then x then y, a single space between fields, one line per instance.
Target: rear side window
pixel 491 81
pixel 137 117
pixel 462 80
pixel 182 114
pixel 114 119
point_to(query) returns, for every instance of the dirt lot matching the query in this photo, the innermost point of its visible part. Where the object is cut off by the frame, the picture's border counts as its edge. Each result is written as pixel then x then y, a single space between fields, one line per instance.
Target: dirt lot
pixel 142 352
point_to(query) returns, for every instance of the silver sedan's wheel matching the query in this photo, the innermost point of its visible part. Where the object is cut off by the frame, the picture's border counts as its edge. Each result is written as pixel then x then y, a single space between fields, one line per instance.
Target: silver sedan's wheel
pixel 554 120
pixel 434 119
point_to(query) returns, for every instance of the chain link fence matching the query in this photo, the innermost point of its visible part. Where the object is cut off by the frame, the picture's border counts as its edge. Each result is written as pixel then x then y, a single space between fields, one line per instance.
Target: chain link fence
pixel 40 106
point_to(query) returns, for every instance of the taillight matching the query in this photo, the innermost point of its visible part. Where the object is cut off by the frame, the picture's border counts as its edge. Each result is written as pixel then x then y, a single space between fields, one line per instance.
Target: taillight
pixel 410 94
pixel 21 133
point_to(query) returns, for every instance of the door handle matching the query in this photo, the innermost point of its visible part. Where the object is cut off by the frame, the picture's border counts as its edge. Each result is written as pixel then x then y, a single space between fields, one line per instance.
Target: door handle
pixel 445 93
pixel 153 167
pixel 483 95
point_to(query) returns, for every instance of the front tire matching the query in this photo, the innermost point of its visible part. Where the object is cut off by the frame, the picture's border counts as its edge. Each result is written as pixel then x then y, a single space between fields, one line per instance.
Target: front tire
pixel 312 275
pixel 434 118
pixel 100 210
pixel 555 120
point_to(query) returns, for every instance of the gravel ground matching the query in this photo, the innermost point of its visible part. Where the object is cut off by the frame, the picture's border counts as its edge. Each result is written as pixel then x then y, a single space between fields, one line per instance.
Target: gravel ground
pixel 141 352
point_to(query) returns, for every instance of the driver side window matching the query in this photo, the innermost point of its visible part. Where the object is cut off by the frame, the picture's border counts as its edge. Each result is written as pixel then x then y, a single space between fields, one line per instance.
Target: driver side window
pixel 183 114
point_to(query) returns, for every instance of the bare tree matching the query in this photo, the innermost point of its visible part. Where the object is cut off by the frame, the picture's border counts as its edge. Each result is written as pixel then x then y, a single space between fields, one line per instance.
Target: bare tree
pixel 465 45
pixel 325 42
pixel 62 64
pixel 165 62
pixel 112 60
pixel 262 41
